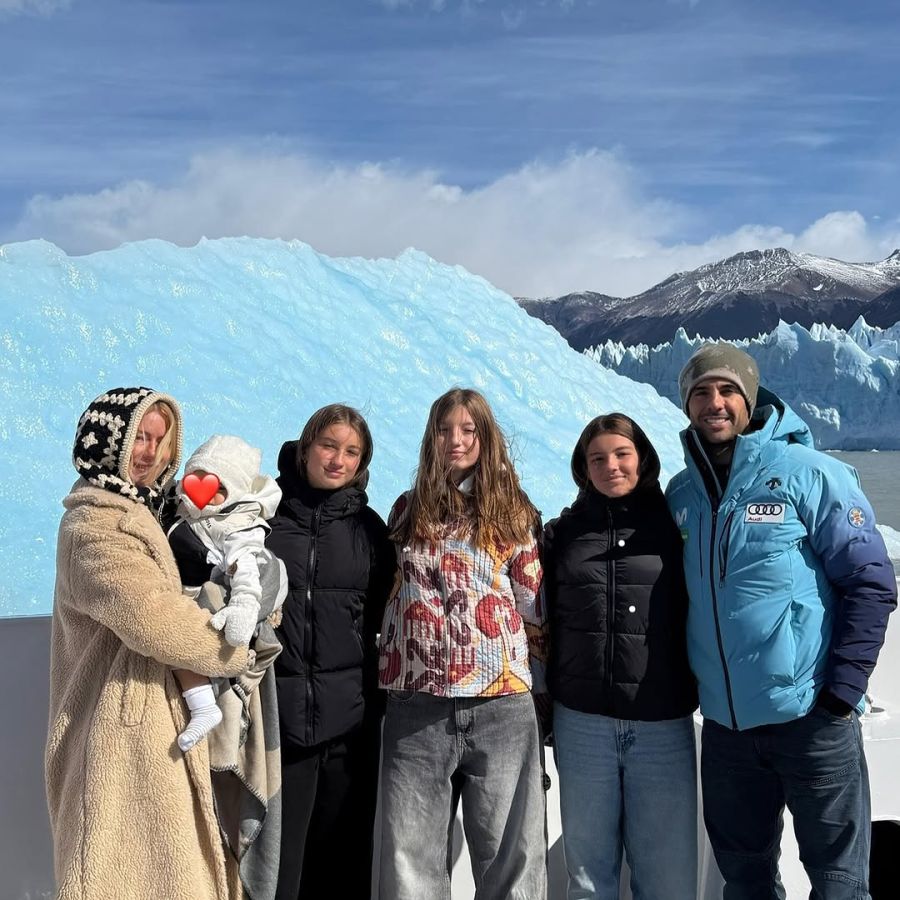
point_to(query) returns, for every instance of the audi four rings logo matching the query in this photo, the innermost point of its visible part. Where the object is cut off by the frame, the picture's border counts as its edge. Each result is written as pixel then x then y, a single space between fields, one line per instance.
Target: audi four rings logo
pixel 764 513
pixel 765 509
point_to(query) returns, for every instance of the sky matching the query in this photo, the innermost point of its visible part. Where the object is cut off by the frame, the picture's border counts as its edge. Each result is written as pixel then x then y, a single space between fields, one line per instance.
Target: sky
pixel 548 145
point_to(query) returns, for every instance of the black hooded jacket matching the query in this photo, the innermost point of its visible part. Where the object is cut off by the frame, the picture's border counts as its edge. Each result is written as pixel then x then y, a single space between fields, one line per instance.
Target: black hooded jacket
pixel 618 603
pixel 340 568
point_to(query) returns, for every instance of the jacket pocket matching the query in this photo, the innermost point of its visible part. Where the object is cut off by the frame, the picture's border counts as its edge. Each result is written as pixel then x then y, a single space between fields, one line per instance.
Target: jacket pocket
pixel 356 620
pixel 134 690
pixel 293 698
pixel 401 697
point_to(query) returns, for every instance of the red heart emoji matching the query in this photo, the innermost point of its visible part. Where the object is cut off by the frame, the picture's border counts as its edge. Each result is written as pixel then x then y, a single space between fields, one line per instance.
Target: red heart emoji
pixel 200 490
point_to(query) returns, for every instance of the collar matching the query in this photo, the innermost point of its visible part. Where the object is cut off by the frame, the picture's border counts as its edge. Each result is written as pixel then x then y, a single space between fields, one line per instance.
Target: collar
pixel 467 485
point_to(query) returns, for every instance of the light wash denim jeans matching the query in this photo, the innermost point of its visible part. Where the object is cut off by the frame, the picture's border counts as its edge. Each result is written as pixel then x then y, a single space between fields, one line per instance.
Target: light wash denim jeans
pixel 627 785
pixel 814 765
pixel 484 752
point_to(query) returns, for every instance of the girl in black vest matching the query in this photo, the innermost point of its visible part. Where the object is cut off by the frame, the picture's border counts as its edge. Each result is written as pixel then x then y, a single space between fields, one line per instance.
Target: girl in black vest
pixel 618 673
pixel 340 567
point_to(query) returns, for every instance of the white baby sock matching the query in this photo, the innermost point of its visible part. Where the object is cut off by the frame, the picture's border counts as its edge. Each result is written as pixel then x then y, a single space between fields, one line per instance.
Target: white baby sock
pixel 205 715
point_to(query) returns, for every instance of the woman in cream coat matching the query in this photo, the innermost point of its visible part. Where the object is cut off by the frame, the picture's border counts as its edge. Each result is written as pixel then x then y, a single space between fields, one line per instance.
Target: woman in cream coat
pixel 132 817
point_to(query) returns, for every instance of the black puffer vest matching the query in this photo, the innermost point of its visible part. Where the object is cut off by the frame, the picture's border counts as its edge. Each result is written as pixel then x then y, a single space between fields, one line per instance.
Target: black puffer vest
pixel 340 567
pixel 618 608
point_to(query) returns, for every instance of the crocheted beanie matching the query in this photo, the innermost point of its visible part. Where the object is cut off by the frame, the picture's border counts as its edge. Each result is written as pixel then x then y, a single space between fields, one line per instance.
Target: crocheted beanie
pixel 720 360
pixel 104 442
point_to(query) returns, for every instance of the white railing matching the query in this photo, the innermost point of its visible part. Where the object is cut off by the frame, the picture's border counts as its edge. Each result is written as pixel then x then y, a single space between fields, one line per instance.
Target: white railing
pixel 26 871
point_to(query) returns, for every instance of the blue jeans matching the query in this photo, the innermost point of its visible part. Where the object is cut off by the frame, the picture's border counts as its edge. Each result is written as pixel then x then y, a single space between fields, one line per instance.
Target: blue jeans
pixel 486 753
pixel 633 786
pixel 814 765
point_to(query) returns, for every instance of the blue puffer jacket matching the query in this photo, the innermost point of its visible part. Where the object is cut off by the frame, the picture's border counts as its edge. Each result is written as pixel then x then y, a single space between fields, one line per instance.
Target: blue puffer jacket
pixel 790 583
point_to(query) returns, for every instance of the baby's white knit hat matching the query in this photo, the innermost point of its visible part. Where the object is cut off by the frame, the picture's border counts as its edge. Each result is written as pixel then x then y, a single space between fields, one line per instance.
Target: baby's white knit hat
pixel 231 459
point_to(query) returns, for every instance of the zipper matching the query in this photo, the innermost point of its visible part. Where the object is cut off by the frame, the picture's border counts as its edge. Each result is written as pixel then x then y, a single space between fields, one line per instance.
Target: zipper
pixel 307 620
pixel 724 544
pixel 610 598
pixel 714 493
pixel 715 609
pixel 700 549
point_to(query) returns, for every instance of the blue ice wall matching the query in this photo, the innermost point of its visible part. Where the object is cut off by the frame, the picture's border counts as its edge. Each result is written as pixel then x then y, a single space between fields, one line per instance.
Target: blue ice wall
pixel 251 336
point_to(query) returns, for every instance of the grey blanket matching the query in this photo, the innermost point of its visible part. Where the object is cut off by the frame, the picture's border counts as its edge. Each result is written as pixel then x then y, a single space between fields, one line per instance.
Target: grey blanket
pixel 244 750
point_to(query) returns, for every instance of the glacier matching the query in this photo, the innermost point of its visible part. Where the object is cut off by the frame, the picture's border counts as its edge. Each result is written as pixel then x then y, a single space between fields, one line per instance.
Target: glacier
pixel 844 384
pixel 251 336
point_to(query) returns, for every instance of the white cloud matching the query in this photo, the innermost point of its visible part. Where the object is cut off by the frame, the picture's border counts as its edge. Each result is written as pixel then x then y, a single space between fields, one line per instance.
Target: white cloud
pixel 41 7
pixel 812 140
pixel 843 235
pixel 512 17
pixel 545 229
pixel 435 5
pixel 466 7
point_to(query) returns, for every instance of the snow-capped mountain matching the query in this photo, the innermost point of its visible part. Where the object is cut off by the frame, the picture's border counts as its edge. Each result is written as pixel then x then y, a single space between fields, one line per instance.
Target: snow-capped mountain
pixel 884 310
pixel 844 384
pixel 744 295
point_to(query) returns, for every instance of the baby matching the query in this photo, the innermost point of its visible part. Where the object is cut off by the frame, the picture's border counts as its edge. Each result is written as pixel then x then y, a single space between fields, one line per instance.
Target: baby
pixel 219 535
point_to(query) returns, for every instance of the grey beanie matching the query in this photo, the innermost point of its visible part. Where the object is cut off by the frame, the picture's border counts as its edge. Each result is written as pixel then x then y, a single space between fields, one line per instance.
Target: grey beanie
pixel 233 460
pixel 720 360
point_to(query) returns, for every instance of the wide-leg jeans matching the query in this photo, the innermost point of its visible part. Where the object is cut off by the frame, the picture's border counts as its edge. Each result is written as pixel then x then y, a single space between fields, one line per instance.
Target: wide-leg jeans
pixel 632 786
pixel 815 765
pixel 484 752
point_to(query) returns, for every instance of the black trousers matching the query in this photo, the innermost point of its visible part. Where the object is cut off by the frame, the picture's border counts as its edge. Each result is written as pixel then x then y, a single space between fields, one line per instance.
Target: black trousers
pixel 328 816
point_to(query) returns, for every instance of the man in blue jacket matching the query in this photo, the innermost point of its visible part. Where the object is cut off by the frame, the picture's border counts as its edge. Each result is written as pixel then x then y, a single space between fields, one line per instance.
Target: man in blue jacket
pixel 790 590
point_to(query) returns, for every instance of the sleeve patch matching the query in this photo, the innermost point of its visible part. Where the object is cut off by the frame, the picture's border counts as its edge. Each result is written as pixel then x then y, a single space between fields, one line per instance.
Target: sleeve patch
pixel 857 517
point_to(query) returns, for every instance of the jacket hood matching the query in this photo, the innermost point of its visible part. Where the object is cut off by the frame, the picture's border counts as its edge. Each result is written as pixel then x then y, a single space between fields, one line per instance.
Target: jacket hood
pixel 774 425
pixel 104 441
pixel 296 489
pixel 236 464
pixel 649 470
pixel 231 459
pixel 781 423
pixel 264 492
pixel 647 487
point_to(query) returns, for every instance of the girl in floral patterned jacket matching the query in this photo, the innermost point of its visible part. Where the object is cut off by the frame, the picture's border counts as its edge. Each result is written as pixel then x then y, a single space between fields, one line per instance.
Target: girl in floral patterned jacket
pixel 462 646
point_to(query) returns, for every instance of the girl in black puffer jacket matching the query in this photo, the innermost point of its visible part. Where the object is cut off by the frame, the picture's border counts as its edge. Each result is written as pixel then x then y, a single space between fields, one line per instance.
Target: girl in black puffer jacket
pixel 340 567
pixel 618 673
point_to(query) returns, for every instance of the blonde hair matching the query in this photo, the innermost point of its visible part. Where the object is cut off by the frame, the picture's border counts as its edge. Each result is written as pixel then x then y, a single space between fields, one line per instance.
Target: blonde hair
pixel 496 512
pixel 165 449
pixel 337 414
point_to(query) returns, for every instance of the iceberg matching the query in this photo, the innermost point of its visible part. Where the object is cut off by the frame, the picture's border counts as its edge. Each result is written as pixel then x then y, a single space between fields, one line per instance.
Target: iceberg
pixel 892 542
pixel 251 336
pixel 844 384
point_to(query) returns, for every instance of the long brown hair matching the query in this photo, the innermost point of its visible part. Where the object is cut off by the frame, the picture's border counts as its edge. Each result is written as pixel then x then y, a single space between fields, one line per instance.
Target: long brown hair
pixel 337 414
pixel 496 512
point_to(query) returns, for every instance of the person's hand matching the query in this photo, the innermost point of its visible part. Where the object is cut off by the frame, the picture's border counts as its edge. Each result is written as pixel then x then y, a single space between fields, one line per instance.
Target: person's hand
pixel 837 707
pixel 238 619
pixel 543 705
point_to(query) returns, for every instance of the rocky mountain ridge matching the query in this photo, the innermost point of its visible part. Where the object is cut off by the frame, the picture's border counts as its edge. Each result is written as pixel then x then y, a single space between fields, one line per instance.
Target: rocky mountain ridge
pixel 741 296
